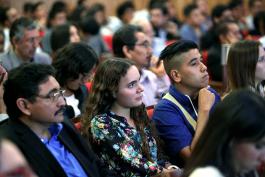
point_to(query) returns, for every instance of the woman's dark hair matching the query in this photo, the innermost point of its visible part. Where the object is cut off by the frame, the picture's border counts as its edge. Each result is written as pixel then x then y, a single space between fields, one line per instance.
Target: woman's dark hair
pixel 72 60
pixel 239 117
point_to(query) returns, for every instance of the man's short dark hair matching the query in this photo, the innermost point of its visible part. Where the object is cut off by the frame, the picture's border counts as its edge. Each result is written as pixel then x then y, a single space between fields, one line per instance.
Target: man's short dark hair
pixel 161 5
pixel 234 4
pixel 218 10
pixel 122 8
pixel 172 51
pixel 24 82
pixel 57 7
pixel 124 36
pixel 72 60
pixel 89 25
pixel 28 7
pixel 97 7
pixel 188 9
pixel 36 5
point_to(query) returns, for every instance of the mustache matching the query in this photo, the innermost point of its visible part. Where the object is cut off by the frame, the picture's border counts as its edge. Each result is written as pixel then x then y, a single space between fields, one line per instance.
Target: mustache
pixel 61 110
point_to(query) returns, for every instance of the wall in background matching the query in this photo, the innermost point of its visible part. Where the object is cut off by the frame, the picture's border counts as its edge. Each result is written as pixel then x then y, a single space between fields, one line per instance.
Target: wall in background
pixel 112 4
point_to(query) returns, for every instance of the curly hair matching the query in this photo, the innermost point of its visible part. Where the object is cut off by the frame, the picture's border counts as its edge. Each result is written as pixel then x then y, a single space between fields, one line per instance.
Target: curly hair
pixel 101 99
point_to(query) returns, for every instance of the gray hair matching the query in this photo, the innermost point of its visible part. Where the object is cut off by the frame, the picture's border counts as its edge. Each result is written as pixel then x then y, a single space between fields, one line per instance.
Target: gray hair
pixel 19 26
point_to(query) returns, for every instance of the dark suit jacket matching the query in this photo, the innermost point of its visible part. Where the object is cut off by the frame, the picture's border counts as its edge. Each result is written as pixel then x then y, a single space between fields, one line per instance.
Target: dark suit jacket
pixel 40 158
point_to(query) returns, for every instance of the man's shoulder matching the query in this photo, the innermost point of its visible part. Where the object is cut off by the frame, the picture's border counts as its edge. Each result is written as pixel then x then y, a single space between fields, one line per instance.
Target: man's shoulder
pixel 3 55
pixel 10 60
pixel 43 58
pixel 5 58
pixel 164 108
pixel 185 28
pixel 11 130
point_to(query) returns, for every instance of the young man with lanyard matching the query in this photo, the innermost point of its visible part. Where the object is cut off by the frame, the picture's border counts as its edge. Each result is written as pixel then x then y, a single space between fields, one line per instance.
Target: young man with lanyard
pixel 183 112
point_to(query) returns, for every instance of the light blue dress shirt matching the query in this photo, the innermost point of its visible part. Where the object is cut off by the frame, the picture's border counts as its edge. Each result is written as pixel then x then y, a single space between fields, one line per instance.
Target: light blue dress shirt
pixel 65 158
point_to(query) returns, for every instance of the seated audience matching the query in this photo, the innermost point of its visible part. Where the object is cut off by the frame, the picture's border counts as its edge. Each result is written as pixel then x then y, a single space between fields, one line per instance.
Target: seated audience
pixel 203 6
pixel 91 36
pixel 227 32
pixel 116 121
pixel 255 6
pixel 73 64
pixel 193 27
pixel 36 124
pixel 232 142
pixel 39 14
pixel 130 42
pixel 7 17
pixel 57 16
pixel 165 30
pixel 182 113
pixel 220 13
pixel 239 15
pixel 24 37
pixel 125 12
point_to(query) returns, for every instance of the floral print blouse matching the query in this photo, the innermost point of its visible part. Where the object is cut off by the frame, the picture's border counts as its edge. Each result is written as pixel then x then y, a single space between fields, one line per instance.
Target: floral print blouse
pixel 118 145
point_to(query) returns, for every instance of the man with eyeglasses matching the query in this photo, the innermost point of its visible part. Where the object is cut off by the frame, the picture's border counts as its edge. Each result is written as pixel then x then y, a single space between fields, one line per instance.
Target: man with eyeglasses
pixel 25 39
pixel 130 42
pixel 35 105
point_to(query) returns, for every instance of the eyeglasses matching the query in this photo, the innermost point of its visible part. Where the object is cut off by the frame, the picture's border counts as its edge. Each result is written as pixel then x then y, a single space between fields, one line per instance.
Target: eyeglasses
pixel 53 96
pixel 145 44
pixel 22 171
pixel 33 40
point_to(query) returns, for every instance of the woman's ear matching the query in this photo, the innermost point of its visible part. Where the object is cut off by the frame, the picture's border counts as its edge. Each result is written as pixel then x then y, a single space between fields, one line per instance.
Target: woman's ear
pixel 24 106
pixel 126 52
pixel 175 76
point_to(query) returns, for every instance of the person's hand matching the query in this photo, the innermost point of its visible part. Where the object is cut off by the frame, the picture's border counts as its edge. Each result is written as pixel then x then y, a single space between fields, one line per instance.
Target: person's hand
pixel 157 68
pixel 206 99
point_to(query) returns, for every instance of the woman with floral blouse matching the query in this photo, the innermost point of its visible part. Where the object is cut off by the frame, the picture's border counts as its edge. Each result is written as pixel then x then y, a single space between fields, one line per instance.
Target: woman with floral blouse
pixel 116 121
